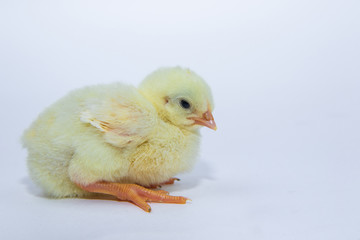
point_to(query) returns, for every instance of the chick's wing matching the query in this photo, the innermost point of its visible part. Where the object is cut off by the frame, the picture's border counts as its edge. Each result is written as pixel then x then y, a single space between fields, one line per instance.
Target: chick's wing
pixel 125 121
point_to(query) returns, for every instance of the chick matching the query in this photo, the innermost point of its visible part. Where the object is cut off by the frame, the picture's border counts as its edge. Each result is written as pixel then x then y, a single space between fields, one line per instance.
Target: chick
pixel 118 140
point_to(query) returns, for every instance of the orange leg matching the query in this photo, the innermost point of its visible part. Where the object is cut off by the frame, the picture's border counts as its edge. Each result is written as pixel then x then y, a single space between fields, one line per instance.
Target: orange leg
pixel 133 193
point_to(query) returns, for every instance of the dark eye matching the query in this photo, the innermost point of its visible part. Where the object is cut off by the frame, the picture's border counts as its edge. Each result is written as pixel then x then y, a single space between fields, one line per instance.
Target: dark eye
pixel 185 104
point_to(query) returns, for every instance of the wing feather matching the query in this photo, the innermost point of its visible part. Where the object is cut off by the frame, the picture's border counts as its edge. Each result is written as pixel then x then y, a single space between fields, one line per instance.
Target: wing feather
pixel 125 119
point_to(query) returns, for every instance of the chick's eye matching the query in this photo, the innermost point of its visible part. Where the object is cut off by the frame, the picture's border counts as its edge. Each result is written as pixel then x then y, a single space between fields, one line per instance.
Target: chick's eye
pixel 185 104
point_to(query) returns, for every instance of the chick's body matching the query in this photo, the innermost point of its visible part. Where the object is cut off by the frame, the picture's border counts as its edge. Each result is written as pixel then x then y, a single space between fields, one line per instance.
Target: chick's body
pixel 105 133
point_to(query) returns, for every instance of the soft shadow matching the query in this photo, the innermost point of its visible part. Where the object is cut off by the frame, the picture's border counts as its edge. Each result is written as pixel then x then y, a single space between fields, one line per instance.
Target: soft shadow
pixel 201 171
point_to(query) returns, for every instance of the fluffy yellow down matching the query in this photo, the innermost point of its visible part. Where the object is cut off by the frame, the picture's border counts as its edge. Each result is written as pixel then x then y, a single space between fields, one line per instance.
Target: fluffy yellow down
pixel 117 133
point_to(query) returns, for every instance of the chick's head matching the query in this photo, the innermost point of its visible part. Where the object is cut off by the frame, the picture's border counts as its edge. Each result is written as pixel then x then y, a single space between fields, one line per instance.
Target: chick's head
pixel 181 97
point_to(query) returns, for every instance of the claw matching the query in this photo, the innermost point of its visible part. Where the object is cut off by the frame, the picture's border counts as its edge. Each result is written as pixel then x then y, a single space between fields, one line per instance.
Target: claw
pixel 168 182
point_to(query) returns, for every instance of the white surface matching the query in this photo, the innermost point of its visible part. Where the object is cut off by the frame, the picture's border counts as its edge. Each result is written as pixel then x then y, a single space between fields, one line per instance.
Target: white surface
pixel 285 161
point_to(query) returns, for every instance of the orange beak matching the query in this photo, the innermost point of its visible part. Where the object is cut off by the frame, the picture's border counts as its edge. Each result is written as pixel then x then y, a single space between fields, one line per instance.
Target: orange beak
pixel 206 120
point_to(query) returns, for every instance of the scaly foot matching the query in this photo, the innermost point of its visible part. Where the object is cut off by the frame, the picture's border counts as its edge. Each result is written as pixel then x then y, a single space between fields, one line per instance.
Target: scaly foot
pixel 134 193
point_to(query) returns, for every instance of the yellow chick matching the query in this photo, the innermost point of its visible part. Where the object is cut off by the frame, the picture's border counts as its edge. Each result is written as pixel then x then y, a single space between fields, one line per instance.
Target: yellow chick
pixel 118 140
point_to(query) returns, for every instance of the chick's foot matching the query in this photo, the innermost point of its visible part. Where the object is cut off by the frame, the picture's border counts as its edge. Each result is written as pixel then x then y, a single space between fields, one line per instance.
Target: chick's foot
pixel 134 193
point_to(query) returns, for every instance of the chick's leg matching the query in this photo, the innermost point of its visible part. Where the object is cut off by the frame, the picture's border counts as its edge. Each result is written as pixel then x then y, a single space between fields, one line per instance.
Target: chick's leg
pixel 133 193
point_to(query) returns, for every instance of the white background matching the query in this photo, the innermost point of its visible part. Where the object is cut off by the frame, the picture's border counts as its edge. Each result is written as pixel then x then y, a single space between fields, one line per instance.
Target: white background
pixel 285 161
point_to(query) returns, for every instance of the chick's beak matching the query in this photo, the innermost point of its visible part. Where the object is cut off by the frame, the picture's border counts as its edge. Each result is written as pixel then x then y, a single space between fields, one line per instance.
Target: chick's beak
pixel 206 120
